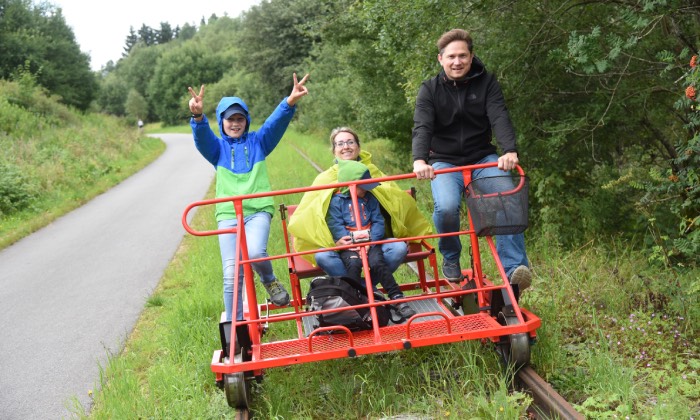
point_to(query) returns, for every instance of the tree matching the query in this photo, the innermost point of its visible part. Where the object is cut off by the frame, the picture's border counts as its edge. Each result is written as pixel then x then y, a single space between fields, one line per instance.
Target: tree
pixel 136 106
pixel 178 68
pixel 137 71
pixel 65 70
pixel 147 35
pixel 275 41
pixel 39 35
pixel 187 32
pixel 130 41
pixel 165 34
pixel 113 94
pixel 604 78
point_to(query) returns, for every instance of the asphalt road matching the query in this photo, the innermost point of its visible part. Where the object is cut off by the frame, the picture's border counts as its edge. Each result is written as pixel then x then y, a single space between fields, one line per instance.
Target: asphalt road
pixel 71 293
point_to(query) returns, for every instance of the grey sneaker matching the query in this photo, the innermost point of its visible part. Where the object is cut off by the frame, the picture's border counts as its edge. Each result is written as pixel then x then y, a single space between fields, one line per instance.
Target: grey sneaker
pixel 522 276
pixel 404 310
pixel 452 271
pixel 278 295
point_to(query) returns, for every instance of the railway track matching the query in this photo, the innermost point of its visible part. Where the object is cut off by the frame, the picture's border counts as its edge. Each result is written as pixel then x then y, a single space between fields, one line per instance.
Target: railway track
pixel 547 403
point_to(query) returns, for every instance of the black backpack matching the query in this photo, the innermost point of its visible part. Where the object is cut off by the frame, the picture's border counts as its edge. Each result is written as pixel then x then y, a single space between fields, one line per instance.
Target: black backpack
pixel 329 292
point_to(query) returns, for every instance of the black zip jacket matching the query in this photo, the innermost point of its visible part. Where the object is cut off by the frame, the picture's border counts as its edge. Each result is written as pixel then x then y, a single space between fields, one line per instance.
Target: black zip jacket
pixel 454 120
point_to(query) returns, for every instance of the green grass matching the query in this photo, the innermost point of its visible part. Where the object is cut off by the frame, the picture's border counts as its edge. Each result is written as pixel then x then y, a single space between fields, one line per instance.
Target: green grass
pixel 619 337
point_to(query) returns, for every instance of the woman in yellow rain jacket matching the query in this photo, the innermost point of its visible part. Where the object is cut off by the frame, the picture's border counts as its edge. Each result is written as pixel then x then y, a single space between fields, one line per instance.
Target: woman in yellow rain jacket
pixel 310 231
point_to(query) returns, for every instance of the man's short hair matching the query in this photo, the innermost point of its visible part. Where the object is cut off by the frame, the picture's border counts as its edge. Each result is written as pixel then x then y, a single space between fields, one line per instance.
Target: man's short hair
pixel 454 35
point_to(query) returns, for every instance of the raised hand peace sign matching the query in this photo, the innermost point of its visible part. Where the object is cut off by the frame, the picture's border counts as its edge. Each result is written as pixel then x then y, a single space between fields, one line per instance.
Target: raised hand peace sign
pixel 298 90
pixel 196 105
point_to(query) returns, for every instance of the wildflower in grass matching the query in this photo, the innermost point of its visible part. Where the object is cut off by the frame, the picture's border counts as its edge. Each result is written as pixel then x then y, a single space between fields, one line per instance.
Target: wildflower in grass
pixel 693 61
pixel 690 92
pixel 673 178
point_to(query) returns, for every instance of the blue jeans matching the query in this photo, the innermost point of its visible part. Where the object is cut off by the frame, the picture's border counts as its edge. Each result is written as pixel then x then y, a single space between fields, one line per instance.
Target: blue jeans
pixel 257 231
pixel 448 195
pixel 394 254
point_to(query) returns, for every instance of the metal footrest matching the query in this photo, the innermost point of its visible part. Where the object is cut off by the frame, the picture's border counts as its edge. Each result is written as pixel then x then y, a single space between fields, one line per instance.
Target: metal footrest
pixel 420 306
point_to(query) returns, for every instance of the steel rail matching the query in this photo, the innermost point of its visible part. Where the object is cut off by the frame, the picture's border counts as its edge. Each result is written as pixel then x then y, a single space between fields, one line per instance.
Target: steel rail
pixel 549 403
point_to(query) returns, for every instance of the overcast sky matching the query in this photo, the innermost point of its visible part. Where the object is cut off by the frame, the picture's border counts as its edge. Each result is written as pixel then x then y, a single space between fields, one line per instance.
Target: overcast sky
pixel 101 27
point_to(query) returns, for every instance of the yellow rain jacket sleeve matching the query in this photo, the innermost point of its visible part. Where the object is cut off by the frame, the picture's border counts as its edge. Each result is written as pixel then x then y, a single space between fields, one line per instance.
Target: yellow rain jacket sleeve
pixel 308 223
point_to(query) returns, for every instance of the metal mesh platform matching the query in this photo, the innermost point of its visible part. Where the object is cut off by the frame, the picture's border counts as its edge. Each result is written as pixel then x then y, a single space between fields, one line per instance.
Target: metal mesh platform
pixel 429 327
pixel 439 325
pixel 420 306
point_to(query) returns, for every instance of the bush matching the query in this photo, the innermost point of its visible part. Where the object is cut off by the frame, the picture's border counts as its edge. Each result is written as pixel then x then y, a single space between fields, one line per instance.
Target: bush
pixel 16 192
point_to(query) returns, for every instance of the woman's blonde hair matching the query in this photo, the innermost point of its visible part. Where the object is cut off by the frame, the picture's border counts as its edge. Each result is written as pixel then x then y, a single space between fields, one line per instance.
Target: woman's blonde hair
pixel 339 130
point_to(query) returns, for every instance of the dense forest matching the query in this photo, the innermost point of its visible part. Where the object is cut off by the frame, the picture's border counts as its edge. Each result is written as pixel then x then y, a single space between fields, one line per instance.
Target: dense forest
pixel 602 94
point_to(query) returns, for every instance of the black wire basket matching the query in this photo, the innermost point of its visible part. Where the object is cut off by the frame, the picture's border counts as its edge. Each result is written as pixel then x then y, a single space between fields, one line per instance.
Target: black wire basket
pixel 498 205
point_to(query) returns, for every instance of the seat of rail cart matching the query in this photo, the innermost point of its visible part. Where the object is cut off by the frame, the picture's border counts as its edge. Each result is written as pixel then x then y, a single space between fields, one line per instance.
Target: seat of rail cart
pixel 300 268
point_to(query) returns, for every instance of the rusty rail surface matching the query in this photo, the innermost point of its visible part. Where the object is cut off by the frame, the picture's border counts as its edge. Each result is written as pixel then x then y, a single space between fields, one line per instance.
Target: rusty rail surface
pixel 548 402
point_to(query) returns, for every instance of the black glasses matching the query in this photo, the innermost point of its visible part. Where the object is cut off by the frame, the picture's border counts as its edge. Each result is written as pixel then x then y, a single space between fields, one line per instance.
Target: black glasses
pixel 345 143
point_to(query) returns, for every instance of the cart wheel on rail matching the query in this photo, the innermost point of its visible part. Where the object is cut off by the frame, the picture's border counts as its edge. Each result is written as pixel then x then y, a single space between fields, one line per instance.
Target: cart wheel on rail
pixel 237 388
pixel 470 304
pixel 242 414
pixel 514 348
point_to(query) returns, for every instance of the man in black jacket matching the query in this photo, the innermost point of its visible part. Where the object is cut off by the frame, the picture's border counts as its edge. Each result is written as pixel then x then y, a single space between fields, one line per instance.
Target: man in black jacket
pixel 457 112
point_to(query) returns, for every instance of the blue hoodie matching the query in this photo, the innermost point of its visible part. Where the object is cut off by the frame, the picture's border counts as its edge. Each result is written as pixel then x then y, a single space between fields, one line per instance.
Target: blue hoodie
pixel 240 163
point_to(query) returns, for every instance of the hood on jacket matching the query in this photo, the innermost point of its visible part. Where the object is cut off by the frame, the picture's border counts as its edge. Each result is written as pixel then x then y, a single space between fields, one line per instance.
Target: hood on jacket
pixel 352 170
pixel 224 104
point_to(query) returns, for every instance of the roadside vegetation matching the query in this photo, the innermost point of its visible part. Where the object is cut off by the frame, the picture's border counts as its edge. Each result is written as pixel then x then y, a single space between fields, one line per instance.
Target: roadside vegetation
pixel 55 159
pixel 619 339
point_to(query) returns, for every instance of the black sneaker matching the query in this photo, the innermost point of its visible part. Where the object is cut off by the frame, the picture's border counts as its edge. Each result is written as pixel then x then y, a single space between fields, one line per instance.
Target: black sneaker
pixel 452 271
pixel 278 295
pixel 404 310
pixel 522 276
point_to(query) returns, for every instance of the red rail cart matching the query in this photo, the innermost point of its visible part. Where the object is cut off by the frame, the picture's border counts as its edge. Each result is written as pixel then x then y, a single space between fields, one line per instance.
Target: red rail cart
pixel 481 307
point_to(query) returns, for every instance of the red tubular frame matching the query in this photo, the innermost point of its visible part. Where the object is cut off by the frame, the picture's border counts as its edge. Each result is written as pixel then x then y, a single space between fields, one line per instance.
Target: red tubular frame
pixel 416 332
